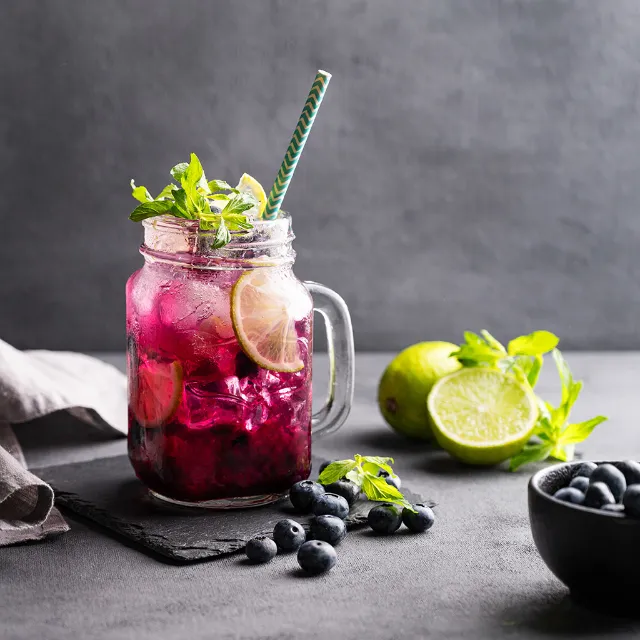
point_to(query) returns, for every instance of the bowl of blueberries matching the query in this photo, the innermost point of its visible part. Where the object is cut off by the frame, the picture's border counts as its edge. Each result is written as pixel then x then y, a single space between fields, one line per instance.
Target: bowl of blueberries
pixel 585 520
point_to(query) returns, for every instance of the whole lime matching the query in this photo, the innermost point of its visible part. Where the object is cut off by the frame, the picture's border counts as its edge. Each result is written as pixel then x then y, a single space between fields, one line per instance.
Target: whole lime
pixel 406 382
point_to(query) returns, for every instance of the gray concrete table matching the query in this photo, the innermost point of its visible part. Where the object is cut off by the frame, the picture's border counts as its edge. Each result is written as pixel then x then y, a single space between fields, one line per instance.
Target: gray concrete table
pixel 476 574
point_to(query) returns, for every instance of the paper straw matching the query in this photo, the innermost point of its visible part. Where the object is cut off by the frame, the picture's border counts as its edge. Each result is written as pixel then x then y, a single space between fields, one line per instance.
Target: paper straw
pixel 288 166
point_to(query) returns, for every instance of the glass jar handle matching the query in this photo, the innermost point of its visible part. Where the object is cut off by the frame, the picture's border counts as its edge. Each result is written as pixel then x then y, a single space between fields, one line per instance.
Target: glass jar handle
pixel 340 350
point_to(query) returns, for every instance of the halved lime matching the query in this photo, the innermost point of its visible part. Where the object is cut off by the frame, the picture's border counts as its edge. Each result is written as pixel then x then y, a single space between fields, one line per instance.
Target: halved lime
pixel 156 390
pixel 264 308
pixel 481 415
pixel 248 184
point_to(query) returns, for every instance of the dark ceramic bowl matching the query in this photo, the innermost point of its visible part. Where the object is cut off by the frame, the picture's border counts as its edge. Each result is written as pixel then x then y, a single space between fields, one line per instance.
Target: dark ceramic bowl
pixel 595 553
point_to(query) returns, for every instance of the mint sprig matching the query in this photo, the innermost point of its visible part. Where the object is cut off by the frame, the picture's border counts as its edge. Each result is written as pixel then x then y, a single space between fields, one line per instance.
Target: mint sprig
pixel 554 436
pixel 523 356
pixel 363 471
pixel 192 198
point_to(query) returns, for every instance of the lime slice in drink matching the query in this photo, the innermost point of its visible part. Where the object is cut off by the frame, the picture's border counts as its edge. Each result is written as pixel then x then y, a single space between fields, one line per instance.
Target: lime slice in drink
pixel 481 416
pixel 264 309
pixel 156 390
pixel 249 184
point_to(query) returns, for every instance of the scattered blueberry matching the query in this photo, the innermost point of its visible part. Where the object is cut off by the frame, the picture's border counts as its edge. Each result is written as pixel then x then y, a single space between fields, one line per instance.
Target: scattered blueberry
pixel 612 477
pixel 420 521
pixel 316 557
pixel 580 483
pixel 261 549
pixel 598 494
pixel 394 481
pixel 330 504
pixel 385 518
pixel 631 500
pixel 345 488
pixel 303 495
pixel 630 470
pixel 288 535
pixel 615 508
pixel 324 465
pixel 571 494
pixel 586 469
pixel 328 529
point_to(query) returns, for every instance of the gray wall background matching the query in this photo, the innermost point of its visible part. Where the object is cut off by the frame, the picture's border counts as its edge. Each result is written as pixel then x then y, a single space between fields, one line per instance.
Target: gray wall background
pixel 475 163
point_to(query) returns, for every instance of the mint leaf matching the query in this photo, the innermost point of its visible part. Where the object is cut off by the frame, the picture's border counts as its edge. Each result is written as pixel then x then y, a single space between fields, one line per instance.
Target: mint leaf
pixel 580 431
pixel 336 470
pixel 220 185
pixel 530 453
pixel 178 171
pixel 193 173
pixel 149 210
pixel 167 192
pixel 238 204
pixel 492 342
pixel 536 343
pixel 180 198
pixel 223 236
pixel 377 489
pixel 141 194
pixel 374 464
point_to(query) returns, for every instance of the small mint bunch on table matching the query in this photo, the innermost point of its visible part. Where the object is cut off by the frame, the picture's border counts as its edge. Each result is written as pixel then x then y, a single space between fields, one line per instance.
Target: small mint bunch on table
pixel 215 204
pixel 364 472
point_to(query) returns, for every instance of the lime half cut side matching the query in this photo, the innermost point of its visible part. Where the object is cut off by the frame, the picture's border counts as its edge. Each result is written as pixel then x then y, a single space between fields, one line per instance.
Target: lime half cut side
pixel 265 306
pixel 481 415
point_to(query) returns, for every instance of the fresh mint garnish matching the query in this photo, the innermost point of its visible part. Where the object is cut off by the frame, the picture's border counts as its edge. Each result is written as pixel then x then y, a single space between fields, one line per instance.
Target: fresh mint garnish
pixel 191 199
pixel 523 356
pixel 556 437
pixel 363 471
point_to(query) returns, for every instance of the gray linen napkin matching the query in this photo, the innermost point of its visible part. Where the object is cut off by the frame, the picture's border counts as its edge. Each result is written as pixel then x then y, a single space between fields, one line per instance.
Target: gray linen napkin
pixel 34 384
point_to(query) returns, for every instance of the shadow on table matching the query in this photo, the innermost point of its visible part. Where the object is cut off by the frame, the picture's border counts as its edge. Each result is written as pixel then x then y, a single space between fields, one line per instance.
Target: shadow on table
pixel 564 617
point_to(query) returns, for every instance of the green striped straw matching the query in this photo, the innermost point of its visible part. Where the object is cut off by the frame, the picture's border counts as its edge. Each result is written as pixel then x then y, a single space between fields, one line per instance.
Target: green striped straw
pixel 296 145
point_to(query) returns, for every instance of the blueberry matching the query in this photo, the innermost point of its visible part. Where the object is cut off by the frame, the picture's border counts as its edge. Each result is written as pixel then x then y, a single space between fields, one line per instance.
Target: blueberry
pixel 612 477
pixel 586 469
pixel 631 500
pixel 288 535
pixel 615 508
pixel 330 504
pixel 580 483
pixel 316 557
pixel 630 470
pixel 394 481
pixel 386 518
pixel 598 494
pixel 345 488
pixel 328 529
pixel 570 494
pixel 420 521
pixel 303 495
pixel 261 549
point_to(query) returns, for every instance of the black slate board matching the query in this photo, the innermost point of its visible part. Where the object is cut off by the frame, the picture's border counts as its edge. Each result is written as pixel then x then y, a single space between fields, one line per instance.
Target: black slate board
pixel 107 492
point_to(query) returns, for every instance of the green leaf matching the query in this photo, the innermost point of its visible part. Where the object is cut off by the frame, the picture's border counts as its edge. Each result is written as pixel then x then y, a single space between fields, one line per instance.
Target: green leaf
pixel 218 196
pixel 149 210
pixel 336 470
pixel 580 431
pixel 167 192
pixel 222 236
pixel 237 204
pixel 178 171
pixel 194 175
pixel 378 490
pixel 564 453
pixel 530 453
pixel 492 342
pixel 220 185
pixel 532 370
pixel 356 475
pixel 536 343
pixel 180 198
pixel 141 194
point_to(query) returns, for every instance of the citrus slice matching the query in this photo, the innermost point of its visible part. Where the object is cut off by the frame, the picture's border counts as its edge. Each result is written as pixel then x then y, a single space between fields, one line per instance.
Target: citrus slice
pixel 156 392
pixel 264 308
pixel 480 415
pixel 248 184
